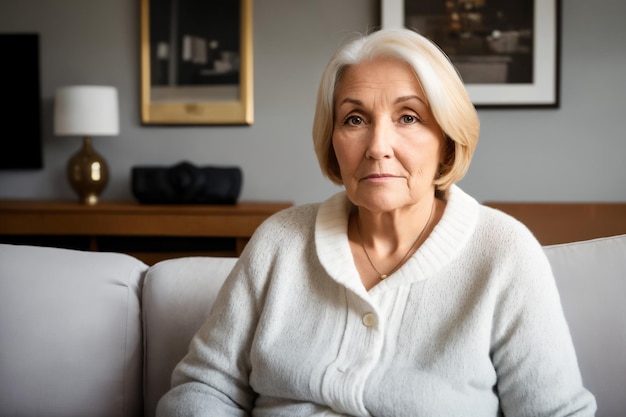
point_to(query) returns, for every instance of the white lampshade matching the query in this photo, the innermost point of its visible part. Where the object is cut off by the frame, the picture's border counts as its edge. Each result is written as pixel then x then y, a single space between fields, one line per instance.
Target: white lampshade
pixel 85 110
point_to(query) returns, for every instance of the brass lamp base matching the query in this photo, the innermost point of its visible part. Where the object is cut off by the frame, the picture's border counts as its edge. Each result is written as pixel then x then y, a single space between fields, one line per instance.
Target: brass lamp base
pixel 88 173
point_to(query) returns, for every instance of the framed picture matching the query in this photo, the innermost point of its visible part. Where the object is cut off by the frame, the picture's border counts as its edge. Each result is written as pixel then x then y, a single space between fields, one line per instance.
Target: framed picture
pixel 507 51
pixel 196 62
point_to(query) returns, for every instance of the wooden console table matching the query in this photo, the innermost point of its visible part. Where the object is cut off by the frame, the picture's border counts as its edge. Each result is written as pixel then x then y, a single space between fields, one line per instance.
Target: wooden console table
pixel 562 222
pixel 149 232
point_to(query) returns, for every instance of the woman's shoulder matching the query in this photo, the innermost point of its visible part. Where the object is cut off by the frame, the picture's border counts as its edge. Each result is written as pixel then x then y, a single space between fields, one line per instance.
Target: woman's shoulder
pixel 290 218
pixel 467 220
pixel 502 223
pixel 505 233
pixel 288 225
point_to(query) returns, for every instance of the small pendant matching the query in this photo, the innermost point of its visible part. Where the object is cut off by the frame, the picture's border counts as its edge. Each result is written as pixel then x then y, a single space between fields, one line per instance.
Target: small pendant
pixel 383 276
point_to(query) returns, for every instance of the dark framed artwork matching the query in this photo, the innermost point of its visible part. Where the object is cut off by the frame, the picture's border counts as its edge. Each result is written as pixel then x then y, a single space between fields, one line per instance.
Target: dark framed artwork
pixel 21 106
pixel 506 51
pixel 196 62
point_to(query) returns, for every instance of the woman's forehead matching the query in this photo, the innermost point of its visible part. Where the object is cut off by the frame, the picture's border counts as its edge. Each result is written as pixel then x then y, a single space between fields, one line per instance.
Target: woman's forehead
pixel 390 75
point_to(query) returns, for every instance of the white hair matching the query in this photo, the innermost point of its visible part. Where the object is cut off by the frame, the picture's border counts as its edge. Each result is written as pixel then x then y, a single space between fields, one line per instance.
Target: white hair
pixel 444 90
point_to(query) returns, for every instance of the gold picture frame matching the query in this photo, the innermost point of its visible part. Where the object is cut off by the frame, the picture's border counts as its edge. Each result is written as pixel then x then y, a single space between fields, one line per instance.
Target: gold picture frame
pixel 196 72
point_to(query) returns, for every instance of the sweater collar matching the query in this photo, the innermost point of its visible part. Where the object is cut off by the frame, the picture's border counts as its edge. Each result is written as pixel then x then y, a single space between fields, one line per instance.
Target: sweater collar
pixel 443 244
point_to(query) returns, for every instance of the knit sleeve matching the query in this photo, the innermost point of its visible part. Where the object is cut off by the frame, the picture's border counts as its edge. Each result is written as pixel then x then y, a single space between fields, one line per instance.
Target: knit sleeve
pixel 212 379
pixel 532 350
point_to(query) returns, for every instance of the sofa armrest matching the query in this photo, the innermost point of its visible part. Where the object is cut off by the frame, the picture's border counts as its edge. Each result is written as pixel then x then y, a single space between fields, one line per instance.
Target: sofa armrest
pixel 177 297
pixel 591 278
pixel 70 332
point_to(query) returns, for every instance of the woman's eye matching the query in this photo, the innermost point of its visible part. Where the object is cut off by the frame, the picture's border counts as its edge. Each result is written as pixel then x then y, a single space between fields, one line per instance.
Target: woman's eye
pixel 353 120
pixel 409 119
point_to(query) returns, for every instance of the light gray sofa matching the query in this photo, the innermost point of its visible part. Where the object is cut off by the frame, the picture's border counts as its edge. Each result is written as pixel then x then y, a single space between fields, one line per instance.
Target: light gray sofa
pixel 98 334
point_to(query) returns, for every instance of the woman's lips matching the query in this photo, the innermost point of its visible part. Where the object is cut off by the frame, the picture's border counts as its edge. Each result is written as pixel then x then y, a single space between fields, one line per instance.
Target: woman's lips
pixel 374 177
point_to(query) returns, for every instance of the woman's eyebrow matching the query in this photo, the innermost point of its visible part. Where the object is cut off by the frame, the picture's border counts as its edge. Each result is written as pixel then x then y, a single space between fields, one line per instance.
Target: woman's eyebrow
pixel 351 101
pixel 408 98
pixel 396 101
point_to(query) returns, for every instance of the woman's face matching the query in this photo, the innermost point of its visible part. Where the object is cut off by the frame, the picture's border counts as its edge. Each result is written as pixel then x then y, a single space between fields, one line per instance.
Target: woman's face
pixel 385 137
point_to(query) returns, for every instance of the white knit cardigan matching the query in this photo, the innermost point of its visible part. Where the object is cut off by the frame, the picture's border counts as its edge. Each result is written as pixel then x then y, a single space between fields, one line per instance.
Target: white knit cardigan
pixel 470 325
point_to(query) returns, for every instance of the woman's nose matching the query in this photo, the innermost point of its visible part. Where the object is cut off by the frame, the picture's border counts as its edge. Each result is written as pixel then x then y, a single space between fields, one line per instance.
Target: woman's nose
pixel 379 141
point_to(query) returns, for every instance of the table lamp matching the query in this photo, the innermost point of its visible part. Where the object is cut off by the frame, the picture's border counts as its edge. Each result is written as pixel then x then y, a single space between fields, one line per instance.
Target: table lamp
pixel 86 111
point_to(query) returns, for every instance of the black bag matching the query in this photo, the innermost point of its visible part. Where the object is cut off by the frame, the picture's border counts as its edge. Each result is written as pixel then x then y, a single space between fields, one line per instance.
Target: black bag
pixel 185 183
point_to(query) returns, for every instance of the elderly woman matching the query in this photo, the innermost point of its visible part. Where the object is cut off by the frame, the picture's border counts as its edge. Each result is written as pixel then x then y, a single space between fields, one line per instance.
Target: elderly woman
pixel 400 296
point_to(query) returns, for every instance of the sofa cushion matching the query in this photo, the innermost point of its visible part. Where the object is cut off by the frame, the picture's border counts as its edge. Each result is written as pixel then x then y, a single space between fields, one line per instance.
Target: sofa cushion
pixel 70 333
pixel 591 277
pixel 177 297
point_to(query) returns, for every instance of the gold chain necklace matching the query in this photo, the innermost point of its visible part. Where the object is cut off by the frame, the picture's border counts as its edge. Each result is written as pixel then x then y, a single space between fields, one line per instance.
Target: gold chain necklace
pixel 381 275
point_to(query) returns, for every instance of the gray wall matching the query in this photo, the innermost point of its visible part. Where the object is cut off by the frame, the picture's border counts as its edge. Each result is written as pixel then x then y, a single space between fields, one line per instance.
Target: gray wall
pixel 572 153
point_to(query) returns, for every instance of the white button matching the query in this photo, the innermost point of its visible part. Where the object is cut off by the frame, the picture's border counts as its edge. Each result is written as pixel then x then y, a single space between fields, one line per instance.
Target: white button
pixel 369 319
